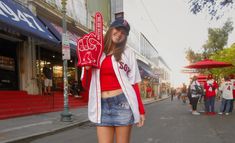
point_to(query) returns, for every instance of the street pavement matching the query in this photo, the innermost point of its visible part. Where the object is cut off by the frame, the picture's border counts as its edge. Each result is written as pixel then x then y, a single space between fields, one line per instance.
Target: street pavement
pixel 21 128
pixel 166 122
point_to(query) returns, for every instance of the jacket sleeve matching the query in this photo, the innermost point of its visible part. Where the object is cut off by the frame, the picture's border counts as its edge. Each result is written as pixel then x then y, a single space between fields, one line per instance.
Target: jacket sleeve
pixel 140 103
pixel 86 78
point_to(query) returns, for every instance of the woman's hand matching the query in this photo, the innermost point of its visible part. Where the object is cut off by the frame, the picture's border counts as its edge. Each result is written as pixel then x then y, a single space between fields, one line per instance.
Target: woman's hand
pixel 141 122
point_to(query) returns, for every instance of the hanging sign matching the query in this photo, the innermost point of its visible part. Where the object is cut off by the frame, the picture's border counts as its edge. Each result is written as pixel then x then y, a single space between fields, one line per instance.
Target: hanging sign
pixel 90 46
pixel 65 47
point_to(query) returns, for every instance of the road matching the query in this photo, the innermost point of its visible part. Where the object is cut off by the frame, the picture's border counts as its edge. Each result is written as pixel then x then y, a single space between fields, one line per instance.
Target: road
pixel 167 122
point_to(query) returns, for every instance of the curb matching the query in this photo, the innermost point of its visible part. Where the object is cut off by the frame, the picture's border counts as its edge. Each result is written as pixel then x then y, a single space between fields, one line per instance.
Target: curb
pixel 48 132
pixel 59 129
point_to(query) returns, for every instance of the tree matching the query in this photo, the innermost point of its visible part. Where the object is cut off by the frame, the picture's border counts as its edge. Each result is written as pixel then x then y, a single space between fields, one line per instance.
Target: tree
pixel 217 38
pixel 215 8
pixel 192 56
pixel 225 55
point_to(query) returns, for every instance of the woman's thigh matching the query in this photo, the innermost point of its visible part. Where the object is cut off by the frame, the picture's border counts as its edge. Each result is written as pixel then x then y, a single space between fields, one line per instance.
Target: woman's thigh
pixel 123 134
pixel 105 134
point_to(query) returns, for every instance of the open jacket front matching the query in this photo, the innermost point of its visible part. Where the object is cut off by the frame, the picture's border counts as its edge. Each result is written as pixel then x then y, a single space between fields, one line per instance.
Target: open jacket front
pixel 127 73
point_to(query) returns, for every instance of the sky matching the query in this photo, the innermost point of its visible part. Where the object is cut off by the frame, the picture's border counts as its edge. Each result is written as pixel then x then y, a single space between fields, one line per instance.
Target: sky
pixel 172 29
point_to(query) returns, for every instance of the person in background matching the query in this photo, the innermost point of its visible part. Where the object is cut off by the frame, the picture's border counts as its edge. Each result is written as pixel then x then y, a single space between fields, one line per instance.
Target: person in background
pixel 210 86
pixel 226 89
pixel 184 93
pixel 149 91
pixel 115 103
pixel 47 80
pixel 74 89
pixel 195 91
pixel 172 93
pixel 232 79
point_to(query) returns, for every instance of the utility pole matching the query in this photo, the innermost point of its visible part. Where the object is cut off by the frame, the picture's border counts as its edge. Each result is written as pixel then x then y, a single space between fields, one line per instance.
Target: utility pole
pixel 65 115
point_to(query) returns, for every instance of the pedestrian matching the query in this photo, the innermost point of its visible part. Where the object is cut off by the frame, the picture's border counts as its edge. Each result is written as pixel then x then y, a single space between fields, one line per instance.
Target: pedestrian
pixel 114 98
pixel 232 79
pixel 226 89
pixel 172 93
pixel 184 93
pixel 210 86
pixel 47 72
pixel 195 93
pixel 149 91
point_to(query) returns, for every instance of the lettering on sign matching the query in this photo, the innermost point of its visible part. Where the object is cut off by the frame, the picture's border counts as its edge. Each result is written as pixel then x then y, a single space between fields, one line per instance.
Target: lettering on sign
pixel 19 16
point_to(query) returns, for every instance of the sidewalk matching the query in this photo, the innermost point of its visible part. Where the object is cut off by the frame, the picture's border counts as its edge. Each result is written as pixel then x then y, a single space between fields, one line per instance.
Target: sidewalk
pixel 15 129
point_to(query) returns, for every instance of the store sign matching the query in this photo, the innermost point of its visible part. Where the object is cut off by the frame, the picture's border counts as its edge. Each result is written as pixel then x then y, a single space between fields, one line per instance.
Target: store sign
pixel 90 46
pixel 65 47
pixel 15 15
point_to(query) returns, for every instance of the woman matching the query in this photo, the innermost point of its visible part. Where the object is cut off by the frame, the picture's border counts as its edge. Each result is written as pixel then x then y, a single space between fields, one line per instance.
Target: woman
pixel 114 97
pixel 195 93
pixel 184 93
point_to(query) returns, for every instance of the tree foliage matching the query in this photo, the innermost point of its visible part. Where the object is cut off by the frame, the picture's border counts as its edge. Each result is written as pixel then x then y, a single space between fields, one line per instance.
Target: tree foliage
pixel 192 56
pixel 215 8
pixel 217 38
pixel 225 55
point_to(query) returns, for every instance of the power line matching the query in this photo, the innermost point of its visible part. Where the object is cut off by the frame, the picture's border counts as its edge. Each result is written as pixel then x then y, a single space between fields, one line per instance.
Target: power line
pixel 151 20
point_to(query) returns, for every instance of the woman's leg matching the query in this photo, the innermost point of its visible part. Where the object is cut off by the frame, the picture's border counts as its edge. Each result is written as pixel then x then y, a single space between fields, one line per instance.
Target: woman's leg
pixel 194 103
pixel 105 134
pixel 123 134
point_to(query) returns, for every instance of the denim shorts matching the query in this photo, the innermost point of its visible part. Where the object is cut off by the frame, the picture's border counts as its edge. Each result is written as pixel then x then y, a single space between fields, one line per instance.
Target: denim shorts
pixel 116 111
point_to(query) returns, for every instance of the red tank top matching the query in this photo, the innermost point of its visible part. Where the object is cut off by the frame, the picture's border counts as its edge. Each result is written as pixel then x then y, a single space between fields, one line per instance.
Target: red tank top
pixel 108 79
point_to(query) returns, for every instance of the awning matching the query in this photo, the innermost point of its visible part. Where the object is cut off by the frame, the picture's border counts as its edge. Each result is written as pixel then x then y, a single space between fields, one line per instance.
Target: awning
pixel 57 31
pixel 21 19
pixel 145 70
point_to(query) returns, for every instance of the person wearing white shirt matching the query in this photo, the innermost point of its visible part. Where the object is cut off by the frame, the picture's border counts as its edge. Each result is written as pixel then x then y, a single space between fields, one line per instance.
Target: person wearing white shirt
pixel 195 92
pixel 226 89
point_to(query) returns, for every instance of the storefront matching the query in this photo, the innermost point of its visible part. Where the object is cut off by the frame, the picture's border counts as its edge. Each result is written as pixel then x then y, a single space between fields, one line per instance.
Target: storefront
pixel 20 32
pixel 54 60
pixel 8 65
pixel 150 82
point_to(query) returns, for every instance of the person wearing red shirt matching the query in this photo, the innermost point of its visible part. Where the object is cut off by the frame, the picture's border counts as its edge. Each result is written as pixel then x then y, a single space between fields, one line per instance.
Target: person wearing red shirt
pixel 210 86
pixel 114 97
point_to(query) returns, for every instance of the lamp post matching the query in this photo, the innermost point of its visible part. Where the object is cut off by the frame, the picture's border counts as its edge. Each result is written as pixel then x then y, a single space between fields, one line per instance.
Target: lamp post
pixel 65 115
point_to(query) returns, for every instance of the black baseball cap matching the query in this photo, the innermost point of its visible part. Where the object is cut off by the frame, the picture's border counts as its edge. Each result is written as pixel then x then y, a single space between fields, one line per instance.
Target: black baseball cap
pixel 120 22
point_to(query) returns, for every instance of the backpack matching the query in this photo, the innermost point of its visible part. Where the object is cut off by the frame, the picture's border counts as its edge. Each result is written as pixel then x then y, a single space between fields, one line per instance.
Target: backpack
pixel 198 89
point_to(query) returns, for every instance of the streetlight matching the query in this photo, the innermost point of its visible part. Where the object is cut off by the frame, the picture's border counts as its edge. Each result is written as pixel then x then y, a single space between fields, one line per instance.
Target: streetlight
pixel 65 115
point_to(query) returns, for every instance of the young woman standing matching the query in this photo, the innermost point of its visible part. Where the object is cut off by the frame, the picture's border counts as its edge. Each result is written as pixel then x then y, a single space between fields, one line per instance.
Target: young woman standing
pixel 114 97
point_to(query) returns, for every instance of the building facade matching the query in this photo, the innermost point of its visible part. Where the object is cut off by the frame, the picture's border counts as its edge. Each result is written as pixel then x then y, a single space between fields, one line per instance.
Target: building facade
pixel 154 71
pixel 24 52
pixel 31 37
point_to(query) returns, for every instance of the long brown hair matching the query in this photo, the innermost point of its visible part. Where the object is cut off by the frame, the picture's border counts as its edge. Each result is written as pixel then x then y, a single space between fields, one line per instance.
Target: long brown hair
pixel 118 49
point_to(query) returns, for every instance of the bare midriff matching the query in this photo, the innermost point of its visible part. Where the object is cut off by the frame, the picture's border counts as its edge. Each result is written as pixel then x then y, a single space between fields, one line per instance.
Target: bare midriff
pixel 111 93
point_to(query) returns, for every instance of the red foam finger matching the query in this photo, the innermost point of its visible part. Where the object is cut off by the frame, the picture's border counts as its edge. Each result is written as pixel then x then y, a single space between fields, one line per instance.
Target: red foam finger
pixel 99 26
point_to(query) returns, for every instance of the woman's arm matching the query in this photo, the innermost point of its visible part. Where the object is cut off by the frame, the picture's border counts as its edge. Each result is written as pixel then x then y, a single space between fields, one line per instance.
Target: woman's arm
pixel 86 78
pixel 140 103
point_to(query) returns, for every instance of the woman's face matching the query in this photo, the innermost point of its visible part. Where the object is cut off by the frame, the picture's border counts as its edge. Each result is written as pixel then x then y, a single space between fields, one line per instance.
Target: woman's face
pixel 118 35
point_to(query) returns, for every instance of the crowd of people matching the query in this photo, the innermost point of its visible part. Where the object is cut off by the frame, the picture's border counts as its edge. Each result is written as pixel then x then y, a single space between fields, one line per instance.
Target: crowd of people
pixel 207 92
